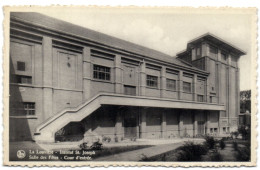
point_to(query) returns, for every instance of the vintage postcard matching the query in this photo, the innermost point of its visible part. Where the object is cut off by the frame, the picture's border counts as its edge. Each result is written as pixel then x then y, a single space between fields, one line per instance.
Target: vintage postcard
pixel 130 86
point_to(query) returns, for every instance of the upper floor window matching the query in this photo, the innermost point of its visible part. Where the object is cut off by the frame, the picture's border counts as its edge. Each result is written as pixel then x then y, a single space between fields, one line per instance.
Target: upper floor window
pixel 198 51
pixel 29 108
pixel 223 57
pixel 200 98
pixel 151 81
pixel 171 84
pixel 187 87
pixel 23 79
pixel 20 66
pixel 213 50
pixel 101 72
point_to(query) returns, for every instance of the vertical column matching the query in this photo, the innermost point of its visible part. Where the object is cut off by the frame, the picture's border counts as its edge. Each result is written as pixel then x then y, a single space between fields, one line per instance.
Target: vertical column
pixel 118 76
pixel 219 92
pixel 195 81
pixel 238 91
pixel 118 126
pixel 207 116
pixel 143 79
pixel 208 83
pixel 143 123
pixel 86 73
pixel 163 125
pixel 47 77
pixel 163 81
pixel 180 85
pixel 180 125
pixel 228 90
pixel 195 124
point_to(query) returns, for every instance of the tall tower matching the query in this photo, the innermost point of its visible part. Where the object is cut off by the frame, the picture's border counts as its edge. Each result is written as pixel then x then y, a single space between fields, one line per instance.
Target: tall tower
pixel 220 59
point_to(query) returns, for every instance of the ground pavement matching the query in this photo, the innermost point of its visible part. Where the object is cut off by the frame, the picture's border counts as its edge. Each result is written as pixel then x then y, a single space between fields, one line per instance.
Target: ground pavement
pixel 139 154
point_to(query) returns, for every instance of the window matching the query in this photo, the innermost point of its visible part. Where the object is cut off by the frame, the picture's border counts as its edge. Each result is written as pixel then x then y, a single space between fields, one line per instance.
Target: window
pixel 24 79
pixel 200 98
pixel 211 99
pixel 101 72
pixel 171 84
pixel 198 51
pixel 213 50
pixel 20 66
pixel 223 57
pixel 29 108
pixel 187 87
pixel 151 81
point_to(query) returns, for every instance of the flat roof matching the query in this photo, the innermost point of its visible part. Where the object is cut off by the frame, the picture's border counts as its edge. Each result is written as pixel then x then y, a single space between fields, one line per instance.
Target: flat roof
pixel 218 41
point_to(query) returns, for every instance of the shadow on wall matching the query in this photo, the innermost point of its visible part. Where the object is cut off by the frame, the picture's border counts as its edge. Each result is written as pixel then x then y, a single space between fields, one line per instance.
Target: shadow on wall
pixel 18 127
pixel 101 122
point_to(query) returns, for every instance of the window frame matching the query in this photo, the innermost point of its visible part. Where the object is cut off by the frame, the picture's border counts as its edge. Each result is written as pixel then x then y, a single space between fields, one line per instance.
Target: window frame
pixel 152 81
pixel 200 96
pixel 21 65
pixel 183 86
pixel 20 79
pixel 98 74
pixel 171 84
pixel 29 108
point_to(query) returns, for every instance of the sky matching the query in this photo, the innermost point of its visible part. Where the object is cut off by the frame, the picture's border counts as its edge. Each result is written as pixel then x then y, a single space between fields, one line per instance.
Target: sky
pixel 167 30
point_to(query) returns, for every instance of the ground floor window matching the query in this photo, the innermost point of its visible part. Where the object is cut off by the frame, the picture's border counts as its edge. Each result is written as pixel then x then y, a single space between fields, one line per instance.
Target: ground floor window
pixel 23 79
pixel 29 108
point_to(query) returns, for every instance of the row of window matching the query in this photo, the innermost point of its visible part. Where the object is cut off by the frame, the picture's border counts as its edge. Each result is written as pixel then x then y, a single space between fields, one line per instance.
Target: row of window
pixel 103 73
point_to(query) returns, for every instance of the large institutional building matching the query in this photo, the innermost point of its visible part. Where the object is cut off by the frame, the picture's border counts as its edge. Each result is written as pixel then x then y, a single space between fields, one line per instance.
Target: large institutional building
pixel 71 83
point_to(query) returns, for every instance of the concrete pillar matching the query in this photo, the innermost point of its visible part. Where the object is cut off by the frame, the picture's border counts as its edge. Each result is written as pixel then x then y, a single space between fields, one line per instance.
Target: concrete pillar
pixel 143 123
pixel 180 126
pixel 163 125
pixel 118 75
pixel 238 91
pixel 195 124
pixel 163 81
pixel 47 77
pixel 143 79
pixel 229 90
pixel 86 73
pixel 180 85
pixel 195 81
pixel 207 116
pixel 119 126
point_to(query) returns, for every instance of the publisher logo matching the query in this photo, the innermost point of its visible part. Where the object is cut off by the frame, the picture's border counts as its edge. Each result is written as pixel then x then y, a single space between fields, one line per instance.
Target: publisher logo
pixel 21 154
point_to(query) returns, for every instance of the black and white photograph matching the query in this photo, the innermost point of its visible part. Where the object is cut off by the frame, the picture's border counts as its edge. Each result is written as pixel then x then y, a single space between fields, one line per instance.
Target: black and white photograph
pixel 126 85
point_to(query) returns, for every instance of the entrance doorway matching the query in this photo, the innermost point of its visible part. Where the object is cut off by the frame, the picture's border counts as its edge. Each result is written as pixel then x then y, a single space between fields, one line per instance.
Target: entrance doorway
pixel 130 125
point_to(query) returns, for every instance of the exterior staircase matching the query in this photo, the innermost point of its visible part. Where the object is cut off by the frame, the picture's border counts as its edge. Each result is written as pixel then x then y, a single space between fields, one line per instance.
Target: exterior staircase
pixel 46 131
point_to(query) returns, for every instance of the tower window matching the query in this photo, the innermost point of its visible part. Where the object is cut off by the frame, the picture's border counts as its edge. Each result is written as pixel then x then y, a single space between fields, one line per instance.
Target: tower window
pixel 20 66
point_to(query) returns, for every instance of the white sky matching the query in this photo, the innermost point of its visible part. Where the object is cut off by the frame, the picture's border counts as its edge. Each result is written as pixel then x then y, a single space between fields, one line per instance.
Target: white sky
pixel 166 30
